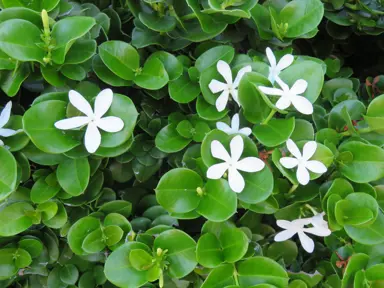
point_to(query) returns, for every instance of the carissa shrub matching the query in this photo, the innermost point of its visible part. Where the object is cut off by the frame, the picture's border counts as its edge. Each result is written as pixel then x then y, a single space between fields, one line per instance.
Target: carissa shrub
pixel 191 144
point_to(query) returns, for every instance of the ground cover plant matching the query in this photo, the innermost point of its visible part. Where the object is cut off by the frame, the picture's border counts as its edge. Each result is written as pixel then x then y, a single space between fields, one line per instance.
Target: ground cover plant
pixel 191 143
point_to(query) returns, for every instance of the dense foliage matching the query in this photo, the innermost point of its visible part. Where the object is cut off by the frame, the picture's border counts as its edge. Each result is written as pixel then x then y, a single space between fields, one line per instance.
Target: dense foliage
pixel 191 143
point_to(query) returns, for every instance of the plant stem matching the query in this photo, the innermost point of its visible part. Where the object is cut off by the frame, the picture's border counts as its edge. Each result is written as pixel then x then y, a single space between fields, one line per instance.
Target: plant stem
pixel 311 208
pixel 360 131
pixel 269 117
pixel 161 279
pixel 235 275
pixel 293 188
pixel 188 16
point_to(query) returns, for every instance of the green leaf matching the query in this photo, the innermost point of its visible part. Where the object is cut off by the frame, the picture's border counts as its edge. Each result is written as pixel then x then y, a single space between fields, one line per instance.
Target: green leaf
pixel 255 108
pixel 184 128
pixel 73 72
pixel 81 51
pixel 367 164
pixel 121 58
pixel 221 276
pixel 106 75
pixel 33 246
pixel 36 5
pixel 207 111
pixel 59 219
pixel 213 55
pixel 356 263
pixel 153 76
pixel 209 252
pixel 52 75
pixel 259 270
pixel 370 235
pixel 181 252
pixel 140 259
pixel 302 16
pixel 69 274
pixel 38 123
pixel 286 250
pixel 354 108
pixel 8 173
pixel 73 175
pixel 373 273
pixel 66 31
pixel 303 131
pixel 275 132
pixel 158 23
pixel 183 90
pixel 171 64
pixel 42 191
pixel 14 219
pixel 177 190
pixel 218 202
pixel 234 244
pixel 11 81
pixel 93 242
pixel 119 270
pixel 169 141
pixel 117 206
pixel 48 210
pixel 21 48
pixel 79 231
pixel 113 234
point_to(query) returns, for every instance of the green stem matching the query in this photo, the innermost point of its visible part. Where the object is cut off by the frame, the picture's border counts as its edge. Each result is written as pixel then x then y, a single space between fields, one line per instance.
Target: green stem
pixel 235 276
pixel 188 17
pixel 360 131
pixel 311 208
pixel 161 279
pixel 265 122
pixel 293 188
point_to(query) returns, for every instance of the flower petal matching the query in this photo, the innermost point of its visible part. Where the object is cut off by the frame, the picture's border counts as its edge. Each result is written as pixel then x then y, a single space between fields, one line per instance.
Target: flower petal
pixel 103 102
pixel 299 223
pixel 302 104
pixel 302 175
pixel 306 242
pixel 235 122
pixel 284 235
pixel 80 103
pixel 225 71
pixel 217 86
pixel 283 103
pixel 271 91
pixel 271 57
pixel 245 131
pixel 217 171
pixel 5 114
pixel 282 84
pixel 235 180
pixel 318 231
pixel 289 162
pixel 7 132
pixel 285 224
pixel 224 127
pixel 235 96
pixel 250 164
pixel 237 146
pixel 316 166
pixel 92 138
pixel 72 123
pixel 299 87
pixel 284 62
pixel 309 149
pixel 240 75
pixel 110 124
pixel 292 147
pixel 218 151
pixel 222 101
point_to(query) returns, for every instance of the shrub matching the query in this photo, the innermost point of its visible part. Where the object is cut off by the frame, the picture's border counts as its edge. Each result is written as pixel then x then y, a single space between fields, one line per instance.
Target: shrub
pixel 186 143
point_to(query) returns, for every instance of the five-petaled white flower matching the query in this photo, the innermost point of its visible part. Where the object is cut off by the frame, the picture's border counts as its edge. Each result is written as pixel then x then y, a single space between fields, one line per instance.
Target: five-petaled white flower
pixel 290 96
pixel 4 118
pixel 275 69
pixel 92 119
pixel 227 88
pixel 234 128
pixel 232 163
pixel 320 228
pixel 302 161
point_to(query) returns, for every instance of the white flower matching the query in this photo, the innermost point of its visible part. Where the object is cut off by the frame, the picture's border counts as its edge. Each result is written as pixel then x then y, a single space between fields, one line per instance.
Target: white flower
pixel 275 69
pixel 92 119
pixel 227 88
pixel 320 228
pixel 235 125
pixel 232 163
pixel 302 161
pixel 4 118
pixel 290 96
